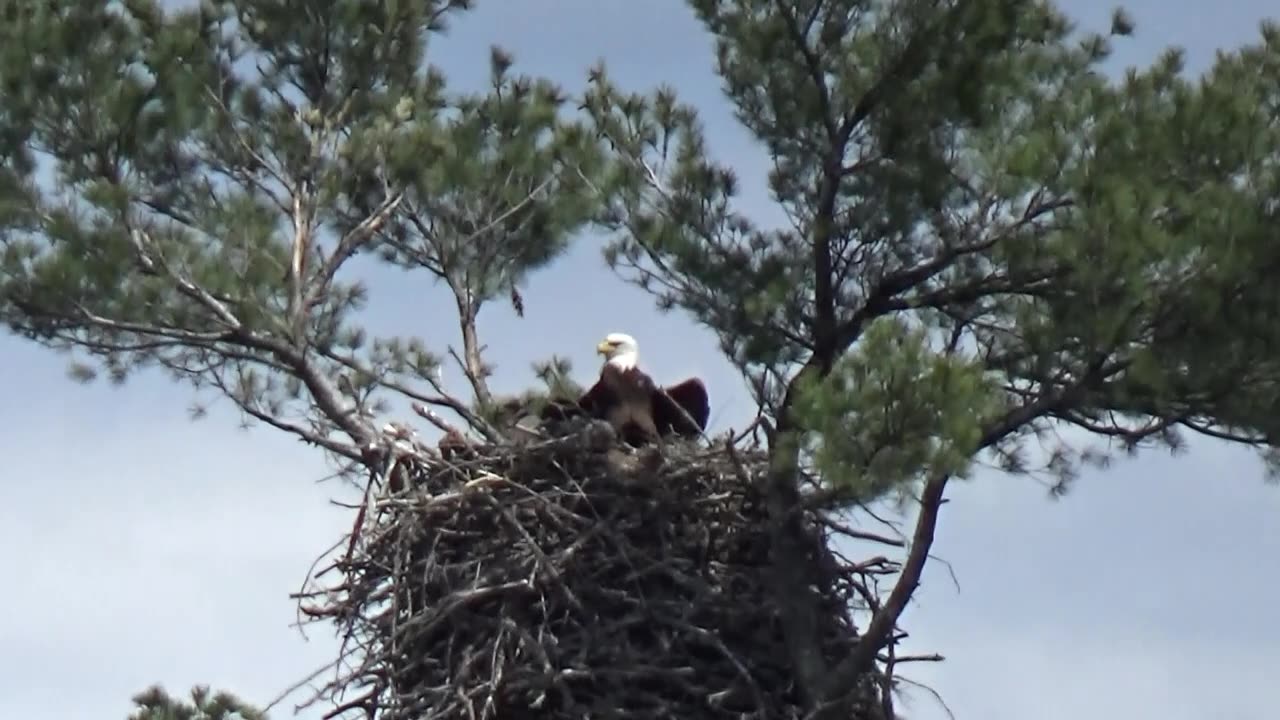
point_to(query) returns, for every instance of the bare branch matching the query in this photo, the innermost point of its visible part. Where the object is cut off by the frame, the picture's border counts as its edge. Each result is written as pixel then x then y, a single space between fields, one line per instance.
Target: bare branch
pixel 509 212
pixel 297 261
pixel 855 534
pixel 886 619
pixel 356 238
pixel 434 418
pixel 150 257
pixel 177 334
pixel 441 399
pixel 347 451
pixel 257 157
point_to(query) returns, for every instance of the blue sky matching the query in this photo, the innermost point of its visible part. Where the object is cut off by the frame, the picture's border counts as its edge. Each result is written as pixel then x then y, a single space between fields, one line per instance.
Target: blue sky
pixel 141 547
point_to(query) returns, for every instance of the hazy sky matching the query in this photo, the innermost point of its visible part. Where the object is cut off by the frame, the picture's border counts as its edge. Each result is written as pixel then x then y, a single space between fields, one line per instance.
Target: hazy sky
pixel 141 547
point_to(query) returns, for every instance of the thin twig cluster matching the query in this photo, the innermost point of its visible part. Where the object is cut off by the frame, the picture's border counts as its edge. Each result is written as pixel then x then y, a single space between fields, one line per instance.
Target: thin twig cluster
pixel 566 579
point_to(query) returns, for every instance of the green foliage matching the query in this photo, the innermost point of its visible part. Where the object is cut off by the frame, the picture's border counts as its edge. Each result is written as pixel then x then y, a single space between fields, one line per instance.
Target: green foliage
pixel 156 704
pixel 507 182
pixel 892 409
pixel 1097 247
pixel 1094 250
pixel 187 188
pixel 555 374
pixel 987 238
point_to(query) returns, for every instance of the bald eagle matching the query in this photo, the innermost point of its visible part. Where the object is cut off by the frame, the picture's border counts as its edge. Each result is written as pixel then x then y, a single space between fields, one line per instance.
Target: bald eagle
pixel 634 405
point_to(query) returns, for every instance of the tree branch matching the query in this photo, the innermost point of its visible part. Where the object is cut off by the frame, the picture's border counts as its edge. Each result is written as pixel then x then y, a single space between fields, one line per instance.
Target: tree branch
pixel 878 632
pixel 885 620
pixel 351 243
pixel 315 438
pixel 813 64
pixel 441 399
pixel 471 361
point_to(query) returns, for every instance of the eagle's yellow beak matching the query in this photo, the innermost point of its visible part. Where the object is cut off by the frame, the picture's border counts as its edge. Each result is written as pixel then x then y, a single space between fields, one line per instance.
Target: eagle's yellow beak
pixel 604 348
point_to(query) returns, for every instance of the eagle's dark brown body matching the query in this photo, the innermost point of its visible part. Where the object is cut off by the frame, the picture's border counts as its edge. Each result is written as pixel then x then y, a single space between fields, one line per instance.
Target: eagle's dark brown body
pixel 639 411
pixel 642 412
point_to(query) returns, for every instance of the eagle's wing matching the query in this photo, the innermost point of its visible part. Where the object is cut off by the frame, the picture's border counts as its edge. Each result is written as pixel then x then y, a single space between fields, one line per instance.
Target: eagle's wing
pixel 675 406
pixel 593 403
pixel 597 399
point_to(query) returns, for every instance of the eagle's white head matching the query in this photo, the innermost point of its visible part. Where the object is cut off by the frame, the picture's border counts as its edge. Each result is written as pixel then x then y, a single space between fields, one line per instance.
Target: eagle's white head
pixel 619 350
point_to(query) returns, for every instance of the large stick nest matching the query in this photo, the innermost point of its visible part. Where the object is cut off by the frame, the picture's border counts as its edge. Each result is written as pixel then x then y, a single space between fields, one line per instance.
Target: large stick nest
pixel 568 579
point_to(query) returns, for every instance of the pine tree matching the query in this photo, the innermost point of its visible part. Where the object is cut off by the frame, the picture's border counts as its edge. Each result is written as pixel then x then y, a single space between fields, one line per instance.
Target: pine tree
pixel 155 703
pixel 989 239
pixel 191 189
